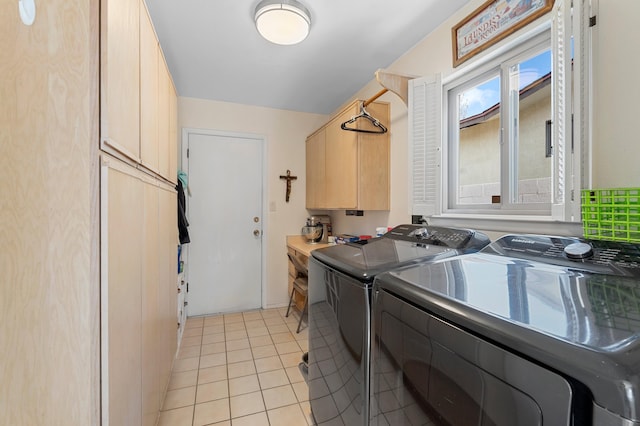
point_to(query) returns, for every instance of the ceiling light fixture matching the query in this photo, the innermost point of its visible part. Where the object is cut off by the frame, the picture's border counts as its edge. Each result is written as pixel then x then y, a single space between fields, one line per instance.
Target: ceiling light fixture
pixel 282 21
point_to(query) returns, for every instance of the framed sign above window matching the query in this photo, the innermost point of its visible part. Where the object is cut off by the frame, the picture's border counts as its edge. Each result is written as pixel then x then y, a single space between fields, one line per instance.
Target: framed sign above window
pixel 492 22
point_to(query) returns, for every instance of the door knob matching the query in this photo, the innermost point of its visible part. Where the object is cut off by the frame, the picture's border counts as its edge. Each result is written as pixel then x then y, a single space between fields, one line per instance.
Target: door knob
pixel 256 232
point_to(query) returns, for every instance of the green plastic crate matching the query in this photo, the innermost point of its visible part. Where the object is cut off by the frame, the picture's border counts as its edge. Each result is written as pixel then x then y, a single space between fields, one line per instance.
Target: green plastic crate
pixel 611 214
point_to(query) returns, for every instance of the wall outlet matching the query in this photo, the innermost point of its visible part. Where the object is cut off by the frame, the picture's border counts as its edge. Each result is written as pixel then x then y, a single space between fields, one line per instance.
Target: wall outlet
pixel 418 220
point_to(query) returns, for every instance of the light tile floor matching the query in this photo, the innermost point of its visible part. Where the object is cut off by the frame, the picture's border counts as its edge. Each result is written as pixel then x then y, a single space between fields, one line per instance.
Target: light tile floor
pixel 239 369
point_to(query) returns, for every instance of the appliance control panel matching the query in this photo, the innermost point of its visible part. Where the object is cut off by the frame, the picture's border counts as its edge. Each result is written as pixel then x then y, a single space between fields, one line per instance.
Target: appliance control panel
pixel 454 238
pixel 594 255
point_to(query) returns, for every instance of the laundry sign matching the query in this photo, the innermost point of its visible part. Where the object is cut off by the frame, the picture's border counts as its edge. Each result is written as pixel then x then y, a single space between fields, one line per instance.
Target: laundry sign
pixel 491 22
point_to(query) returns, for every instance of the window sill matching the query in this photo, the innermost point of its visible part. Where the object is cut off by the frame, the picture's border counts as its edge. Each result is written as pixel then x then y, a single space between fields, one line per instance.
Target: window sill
pixel 503 224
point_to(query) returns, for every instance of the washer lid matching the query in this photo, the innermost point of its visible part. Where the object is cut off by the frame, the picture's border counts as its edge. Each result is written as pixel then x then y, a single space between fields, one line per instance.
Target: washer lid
pixel 575 321
pixel 577 307
pixel 403 245
pixel 365 261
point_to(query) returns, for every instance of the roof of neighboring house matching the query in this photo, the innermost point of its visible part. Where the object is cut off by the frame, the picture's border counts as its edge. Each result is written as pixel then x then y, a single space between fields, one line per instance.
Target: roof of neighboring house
pixel 526 91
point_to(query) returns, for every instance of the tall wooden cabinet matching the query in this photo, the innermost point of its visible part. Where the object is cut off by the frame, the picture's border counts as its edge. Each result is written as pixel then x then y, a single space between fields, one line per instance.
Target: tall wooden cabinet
pixel 120 76
pixel 150 58
pixel 138 137
pixel 123 238
pixel 138 112
pixel 139 240
pixel 349 170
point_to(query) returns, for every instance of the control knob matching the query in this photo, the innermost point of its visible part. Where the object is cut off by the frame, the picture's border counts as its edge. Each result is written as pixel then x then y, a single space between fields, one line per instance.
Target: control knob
pixel 421 233
pixel 578 251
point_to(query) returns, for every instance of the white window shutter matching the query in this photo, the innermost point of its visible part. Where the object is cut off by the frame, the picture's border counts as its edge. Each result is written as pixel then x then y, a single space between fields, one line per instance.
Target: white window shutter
pixel 425 140
pixel 569 115
pixel 561 50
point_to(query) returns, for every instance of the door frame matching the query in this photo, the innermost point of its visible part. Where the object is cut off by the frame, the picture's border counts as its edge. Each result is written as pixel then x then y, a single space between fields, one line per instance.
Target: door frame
pixel 184 165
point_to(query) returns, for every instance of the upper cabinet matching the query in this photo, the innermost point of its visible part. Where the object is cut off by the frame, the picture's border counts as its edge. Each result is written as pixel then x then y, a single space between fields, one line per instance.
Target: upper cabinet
pixel 120 76
pixel 349 170
pixel 150 58
pixel 164 80
pixel 315 166
pixel 173 133
pixel 138 99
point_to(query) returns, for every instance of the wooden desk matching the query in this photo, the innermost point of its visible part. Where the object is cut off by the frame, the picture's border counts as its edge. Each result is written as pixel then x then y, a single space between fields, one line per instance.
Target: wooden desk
pixel 297 246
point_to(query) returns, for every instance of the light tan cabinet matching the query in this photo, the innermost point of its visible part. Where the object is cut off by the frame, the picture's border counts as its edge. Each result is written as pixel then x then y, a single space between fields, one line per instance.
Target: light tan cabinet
pixel 168 287
pixel 349 170
pixel 173 133
pixel 315 153
pixel 139 293
pixel 139 101
pixel 139 224
pixel 122 299
pixel 120 76
pixel 164 81
pixel 151 330
pixel 150 58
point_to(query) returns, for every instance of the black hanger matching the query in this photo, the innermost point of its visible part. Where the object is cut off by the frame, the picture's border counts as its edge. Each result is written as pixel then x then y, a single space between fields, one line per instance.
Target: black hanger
pixel 380 128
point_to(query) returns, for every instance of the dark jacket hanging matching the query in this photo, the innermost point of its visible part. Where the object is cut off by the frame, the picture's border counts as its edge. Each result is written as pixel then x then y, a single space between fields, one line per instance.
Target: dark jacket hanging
pixel 182 216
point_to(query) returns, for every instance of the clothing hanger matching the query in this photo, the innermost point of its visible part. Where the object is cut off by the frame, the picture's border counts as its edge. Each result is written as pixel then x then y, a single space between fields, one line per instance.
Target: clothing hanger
pixel 395 83
pixel 380 128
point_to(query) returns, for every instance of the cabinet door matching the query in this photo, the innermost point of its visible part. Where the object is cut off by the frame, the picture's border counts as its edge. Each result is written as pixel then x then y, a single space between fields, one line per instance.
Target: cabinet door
pixel 149 54
pixel 315 154
pixel 120 76
pixel 341 166
pixel 168 289
pixel 173 134
pixel 122 299
pixel 163 117
pixel 373 163
pixel 152 387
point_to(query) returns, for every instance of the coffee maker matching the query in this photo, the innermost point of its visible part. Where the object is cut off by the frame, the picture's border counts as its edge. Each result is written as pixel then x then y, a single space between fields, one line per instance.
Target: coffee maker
pixel 317 229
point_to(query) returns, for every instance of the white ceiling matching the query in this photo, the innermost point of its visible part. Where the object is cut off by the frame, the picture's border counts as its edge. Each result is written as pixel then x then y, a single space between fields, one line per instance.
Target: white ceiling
pixel 215 52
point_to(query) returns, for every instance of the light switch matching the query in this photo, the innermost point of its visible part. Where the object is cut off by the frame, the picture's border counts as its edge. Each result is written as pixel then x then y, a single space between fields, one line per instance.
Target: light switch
pixel 272 206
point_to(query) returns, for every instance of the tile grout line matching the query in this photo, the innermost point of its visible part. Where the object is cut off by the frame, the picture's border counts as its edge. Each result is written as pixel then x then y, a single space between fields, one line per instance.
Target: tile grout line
pixel 195 397
pixel 264 403
pixel 299 350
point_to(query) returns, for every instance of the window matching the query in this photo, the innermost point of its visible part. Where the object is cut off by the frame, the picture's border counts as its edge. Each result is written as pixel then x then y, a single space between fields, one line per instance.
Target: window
pixel 497 134
pixel 506 136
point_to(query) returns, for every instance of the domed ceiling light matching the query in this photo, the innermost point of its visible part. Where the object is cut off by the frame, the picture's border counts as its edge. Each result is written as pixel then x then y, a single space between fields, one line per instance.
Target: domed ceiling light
pixel 282 21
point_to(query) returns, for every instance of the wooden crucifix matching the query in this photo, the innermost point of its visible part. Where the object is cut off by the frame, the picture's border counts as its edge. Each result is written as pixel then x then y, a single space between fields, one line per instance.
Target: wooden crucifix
pixel 289 178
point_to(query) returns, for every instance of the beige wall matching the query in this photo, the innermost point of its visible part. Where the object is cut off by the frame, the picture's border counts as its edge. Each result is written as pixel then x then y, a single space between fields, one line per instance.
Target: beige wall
pixel 479 155
pixel 399 212
pixel 285 133
pixel 615 98
pixel 616 145
pixel 615 106
pixel 430 56
pixel 48 215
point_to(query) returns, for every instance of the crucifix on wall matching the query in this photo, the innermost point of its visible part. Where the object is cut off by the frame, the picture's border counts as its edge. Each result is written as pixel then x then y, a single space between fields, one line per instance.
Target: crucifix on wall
pixel 289 178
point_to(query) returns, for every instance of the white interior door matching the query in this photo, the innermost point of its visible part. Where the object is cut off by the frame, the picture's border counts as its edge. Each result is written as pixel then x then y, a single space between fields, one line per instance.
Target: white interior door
pixel 224 210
